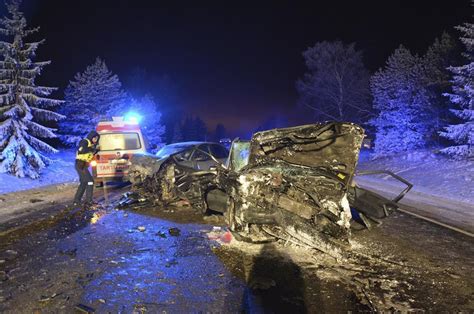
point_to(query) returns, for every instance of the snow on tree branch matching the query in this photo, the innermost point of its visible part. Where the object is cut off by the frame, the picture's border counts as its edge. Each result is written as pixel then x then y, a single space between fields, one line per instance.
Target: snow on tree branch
pixel 462 134
pixel 402 103
pixel 23 105
pixel 88 99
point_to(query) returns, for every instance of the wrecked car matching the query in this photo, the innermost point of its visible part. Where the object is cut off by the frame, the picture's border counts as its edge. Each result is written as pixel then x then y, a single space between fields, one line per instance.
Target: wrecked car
pixel 177 172
pixel 293 183
pixel 197 155
pixel 193 156
pixel 299 183
pixel 284 183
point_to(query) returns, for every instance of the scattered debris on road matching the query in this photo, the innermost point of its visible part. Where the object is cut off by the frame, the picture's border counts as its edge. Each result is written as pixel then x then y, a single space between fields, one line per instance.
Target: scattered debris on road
pixel 161 234
pixel 219 234
pixel 71 252
pixel 81 308
pixel 174 232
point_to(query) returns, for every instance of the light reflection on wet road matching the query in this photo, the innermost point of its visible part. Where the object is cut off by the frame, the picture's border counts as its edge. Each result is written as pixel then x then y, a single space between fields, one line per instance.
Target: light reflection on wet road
pixel 120 261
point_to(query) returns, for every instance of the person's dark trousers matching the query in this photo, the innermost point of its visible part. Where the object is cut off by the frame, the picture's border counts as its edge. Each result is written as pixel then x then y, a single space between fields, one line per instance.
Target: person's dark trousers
pixel 86 182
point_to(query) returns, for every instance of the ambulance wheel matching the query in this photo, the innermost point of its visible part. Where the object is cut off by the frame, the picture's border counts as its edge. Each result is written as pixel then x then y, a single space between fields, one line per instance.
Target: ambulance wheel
pixel 99 184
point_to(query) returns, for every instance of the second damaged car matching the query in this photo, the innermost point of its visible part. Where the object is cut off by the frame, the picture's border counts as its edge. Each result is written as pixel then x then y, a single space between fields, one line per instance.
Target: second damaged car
pixel 178 173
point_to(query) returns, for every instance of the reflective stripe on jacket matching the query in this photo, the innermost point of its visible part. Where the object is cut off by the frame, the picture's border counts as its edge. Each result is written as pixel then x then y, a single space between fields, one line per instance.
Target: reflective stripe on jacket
pixel 87 157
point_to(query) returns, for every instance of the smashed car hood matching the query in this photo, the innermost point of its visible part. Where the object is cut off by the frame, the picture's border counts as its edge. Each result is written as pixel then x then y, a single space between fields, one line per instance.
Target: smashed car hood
pixel 334 146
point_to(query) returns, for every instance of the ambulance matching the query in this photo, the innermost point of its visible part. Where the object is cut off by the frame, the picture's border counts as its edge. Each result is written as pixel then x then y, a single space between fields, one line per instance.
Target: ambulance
pixel 120 139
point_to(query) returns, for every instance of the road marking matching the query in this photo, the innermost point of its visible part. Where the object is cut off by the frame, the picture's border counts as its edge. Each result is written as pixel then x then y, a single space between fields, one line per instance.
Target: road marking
pixel 436 222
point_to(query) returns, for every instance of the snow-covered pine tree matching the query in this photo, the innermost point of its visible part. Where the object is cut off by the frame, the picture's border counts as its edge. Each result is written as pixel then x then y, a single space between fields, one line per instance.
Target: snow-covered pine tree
pixel 220 132
pixel 150 118
pixel 463 91
pixel 187 129
pixel 198 130
pixel 88 99
pixel 194 129
pixel 442 53
pixel 24 106
pixel 402 103
pixel 177 133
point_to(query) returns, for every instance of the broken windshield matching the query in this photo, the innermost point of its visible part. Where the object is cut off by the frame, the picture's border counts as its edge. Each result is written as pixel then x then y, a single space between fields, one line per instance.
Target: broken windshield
pixel 239 155
pixel 171 149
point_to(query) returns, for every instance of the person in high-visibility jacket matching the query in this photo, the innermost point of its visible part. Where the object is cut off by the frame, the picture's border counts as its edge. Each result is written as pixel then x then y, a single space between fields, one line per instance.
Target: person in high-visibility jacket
pixel 88 147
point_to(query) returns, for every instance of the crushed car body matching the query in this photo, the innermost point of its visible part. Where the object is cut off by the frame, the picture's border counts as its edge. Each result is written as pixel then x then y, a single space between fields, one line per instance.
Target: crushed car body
pixel 294 184
pixel 181 172
pixel 284 183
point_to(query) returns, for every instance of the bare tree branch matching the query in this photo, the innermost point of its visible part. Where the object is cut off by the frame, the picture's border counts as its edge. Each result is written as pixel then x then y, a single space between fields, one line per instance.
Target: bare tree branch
pixel 336 85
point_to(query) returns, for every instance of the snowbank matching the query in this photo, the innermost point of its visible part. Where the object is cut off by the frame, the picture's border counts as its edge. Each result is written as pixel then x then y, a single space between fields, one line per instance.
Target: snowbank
pixel 61 170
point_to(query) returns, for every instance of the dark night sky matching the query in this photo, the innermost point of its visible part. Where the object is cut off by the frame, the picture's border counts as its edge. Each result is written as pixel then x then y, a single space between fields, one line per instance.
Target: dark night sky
pixel 234 62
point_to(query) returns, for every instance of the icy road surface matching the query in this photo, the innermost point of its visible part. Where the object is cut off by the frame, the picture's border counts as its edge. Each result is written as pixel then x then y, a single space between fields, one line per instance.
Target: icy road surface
pixel 173 260
pixel 118 262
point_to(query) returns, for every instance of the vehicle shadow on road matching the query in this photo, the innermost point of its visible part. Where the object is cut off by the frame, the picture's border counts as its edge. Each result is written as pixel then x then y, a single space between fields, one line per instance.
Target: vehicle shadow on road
pixel 275 284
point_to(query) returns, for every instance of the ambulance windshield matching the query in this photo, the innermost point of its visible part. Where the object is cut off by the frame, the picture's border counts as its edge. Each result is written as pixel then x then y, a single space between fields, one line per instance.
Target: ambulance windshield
pixel 119 141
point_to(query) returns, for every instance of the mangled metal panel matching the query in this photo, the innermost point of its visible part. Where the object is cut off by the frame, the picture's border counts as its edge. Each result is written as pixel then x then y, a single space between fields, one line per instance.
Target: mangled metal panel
pixel 295 181
pixel 370 207
pixel 333 146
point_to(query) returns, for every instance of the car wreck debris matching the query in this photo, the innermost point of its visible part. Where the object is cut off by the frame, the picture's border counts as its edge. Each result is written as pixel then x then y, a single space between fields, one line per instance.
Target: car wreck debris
pixel 81 308
pixel 285 183
pixel 174 232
